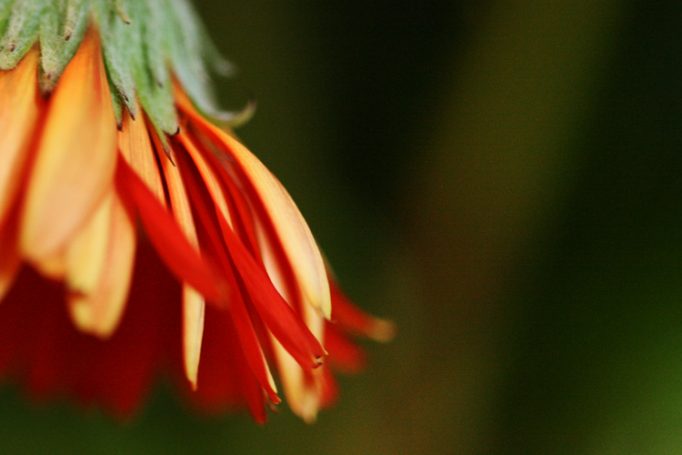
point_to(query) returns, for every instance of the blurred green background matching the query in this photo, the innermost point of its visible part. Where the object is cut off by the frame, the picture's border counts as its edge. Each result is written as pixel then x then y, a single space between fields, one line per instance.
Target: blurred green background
pixel 501 178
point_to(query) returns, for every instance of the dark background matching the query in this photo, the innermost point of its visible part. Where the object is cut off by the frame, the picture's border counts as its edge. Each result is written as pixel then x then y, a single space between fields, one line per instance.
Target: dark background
pixel 501 178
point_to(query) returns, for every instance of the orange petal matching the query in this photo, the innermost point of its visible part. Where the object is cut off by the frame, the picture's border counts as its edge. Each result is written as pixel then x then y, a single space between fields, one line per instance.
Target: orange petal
pixel 193 305
pixel 286 220
pixel 136 148
pixel 19 111
pixel 75 158
pixel 100 263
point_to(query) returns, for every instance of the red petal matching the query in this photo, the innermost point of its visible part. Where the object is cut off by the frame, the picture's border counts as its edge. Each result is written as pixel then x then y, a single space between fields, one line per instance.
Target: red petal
pixel 242 321
pixel 168 240
pixel 279 317
pixel 355 320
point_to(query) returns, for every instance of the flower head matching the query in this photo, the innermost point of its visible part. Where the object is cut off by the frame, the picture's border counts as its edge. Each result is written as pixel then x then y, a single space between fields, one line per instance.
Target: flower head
pixel 137 236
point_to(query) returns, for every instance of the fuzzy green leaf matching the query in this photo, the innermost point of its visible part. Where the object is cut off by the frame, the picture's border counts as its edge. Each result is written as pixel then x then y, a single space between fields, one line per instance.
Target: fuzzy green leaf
pixel 146 45
pixel 22 31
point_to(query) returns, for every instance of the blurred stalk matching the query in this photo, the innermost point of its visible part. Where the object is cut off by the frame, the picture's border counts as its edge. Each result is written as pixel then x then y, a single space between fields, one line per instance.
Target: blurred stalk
pixel 487 185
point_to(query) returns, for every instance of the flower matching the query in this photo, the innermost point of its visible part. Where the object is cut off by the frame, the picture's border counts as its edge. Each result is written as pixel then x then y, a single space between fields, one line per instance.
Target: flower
pixel 136 236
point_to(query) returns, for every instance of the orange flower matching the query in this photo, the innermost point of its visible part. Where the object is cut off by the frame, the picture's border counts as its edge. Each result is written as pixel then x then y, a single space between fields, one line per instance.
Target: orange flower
pixel 221 283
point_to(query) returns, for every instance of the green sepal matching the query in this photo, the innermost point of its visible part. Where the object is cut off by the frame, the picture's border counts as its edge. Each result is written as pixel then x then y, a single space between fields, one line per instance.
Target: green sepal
pixel 115 37
pixel 146 46
pixel 5 9
pixel 155 95
pixel 61 32
pixel 22 31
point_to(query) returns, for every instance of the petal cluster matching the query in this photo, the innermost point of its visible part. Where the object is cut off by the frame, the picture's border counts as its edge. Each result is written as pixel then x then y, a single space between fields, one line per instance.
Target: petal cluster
pixel 124 251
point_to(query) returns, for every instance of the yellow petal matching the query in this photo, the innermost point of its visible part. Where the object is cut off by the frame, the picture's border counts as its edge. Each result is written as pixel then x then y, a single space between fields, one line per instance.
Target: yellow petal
pixel 87 251
pixel 313 320
pixel 303 395
pixel 75 158
pixel 100 263
pixel 19 112
pixel 193 304
pixel 53 266
pixel 193 311
pixel 136 148
pixel 293 232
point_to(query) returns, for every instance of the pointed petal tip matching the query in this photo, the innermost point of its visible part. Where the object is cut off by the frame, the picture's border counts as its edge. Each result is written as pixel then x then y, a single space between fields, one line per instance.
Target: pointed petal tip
pixel 309 406
pixel 278 210
pixel 193 314
pixel 383 330
pixel 81 312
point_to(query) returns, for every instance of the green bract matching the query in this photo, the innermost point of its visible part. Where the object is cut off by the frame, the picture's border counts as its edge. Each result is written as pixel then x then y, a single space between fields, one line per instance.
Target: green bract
pixel 144 44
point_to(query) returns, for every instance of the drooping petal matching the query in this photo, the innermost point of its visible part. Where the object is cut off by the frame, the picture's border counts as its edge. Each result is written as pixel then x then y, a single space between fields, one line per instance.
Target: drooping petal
pixel 246 333
pixel 100 269
pixel 225 380
pixel 303 395
pixel 136 147
pixel 276 313
pixel 353 319
pixel 278 316
pixel 194 306
pixel 303 387
pixel 119 371
pixel 19 114
pixel 76 156
pixel 87 251
pixel 193 314
pixel 40 347
pixel 178 254
pixel 344 355
pixel 285 219
pixel 208 177
pixel 293 233
pixel 330 388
